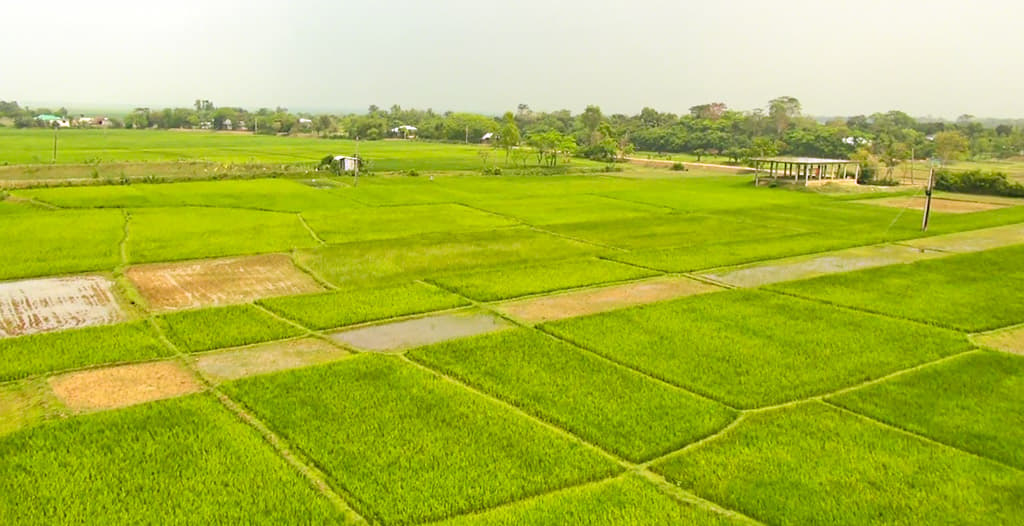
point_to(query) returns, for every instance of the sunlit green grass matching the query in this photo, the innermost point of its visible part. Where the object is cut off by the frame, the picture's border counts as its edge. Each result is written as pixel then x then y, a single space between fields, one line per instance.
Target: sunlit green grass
pixel 185 461
pixel 43 353
pixel 168 234
pixel 336 309
pixel 582 207
pixel 409 446
pixel 750 348
pixel 814 464
pixel 216 328
pixel 623 501
pixel 973 402
pixel 623 411
pixel 40 242
pixel 509 282
pixel 971 292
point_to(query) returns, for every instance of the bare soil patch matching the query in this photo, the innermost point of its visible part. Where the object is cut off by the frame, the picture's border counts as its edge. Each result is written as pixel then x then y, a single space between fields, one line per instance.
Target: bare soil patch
pixel 54 304
pixel 605 299
pixel 122 386
pixel 1011 340
pixel 267 358
pixel 193 284
pixel 803 267
pixel 973 241
pixel 949 206
pixel 421 331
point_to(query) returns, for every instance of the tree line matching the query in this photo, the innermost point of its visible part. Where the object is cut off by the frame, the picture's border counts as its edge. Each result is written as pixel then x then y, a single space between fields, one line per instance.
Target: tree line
pixel 780 128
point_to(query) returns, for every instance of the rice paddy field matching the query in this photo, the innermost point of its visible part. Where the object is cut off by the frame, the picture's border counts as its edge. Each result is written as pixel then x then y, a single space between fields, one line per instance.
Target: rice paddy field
pixel 637 347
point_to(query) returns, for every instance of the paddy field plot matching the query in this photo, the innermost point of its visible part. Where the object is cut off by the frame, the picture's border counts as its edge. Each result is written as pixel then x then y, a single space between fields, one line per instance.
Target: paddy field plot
pixel 203 283
pixel 169 234
pixel 266 358
pixel 49 242
pixel 53 304
pixel 971 292
pixel 750 349
pixel 625 500
pixel 410 446
pixel 509 282
pixel 57 351
pixel 1009 340
pixel 399 221
pixel 220 327
pixel 124 385
pixel 172 462
pixel 334 309
pixel 625 412
pixel 972 402
pixel 400 335
pixel 942 206
pixel 817 464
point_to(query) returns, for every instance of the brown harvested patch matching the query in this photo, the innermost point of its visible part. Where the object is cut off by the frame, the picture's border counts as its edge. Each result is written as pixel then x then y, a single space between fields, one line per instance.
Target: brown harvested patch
pixel 54 304
pixel 804 267
pixel 267 358
pixel 1011 340
pixel 124 385
pixel 573 304
pixel 25 403
pixel 974 240
pixel 193 284
pixel 949 206
pixel 421 331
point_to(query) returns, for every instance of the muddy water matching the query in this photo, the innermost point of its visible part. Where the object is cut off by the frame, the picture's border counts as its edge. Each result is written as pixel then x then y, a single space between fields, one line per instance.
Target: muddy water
pixel 421 331
pixel 53 304
pixel 267 358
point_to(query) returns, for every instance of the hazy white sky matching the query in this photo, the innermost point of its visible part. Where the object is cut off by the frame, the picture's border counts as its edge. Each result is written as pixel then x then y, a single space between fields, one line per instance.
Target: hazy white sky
pixel 937 57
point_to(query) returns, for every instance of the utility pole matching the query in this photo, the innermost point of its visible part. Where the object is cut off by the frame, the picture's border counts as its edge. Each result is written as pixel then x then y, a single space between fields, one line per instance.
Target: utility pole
pixel 357 162
pixel 911 165
pixel 928 199
pixel 56 126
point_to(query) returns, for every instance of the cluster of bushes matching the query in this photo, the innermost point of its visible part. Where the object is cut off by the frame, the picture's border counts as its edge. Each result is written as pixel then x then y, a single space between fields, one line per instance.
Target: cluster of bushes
pixel 978 182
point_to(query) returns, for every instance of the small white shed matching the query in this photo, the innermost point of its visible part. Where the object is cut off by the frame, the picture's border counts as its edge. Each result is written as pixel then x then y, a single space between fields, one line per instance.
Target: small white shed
pixel 347 164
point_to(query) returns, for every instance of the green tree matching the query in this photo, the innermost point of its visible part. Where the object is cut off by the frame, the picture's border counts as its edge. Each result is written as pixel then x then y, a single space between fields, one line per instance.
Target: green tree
pixel 782 111
pixel 508 136
pixel 950 145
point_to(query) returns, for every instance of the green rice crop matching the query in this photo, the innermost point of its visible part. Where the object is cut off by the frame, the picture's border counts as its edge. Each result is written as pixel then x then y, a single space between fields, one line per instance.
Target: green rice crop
pixel 668 230
pixel 972 402
pixel 364 224
pixel 168 234
pixel 336 309
pixel 621 410
pixel 623 501
pixel 26 403
pixel 262 194
pixel 185 461
pixel 206 329
pixel 42 243
pixel 410 446
pixel 402 260
pixel 971 292
pixel 814 464
pixel 751 348
pixel 56 351
pixel 520 280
